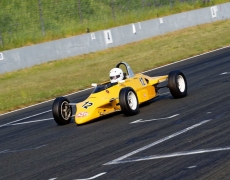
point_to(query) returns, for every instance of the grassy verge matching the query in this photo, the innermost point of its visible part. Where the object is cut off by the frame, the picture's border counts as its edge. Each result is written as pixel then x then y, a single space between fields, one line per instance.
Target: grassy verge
pixel 49 80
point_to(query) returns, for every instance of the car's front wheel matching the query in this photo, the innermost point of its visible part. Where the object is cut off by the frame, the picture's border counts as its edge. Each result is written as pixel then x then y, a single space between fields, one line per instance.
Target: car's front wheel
pixel 62 111
pixel 128 101
pixel 177 84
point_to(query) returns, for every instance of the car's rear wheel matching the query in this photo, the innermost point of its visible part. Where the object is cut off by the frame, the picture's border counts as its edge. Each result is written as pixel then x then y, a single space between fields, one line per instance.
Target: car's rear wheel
pixel 177 84
pixel 62 111
pixel 128 101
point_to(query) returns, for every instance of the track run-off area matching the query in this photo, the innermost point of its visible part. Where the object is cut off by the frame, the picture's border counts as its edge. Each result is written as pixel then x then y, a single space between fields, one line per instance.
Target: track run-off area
pixel 170 138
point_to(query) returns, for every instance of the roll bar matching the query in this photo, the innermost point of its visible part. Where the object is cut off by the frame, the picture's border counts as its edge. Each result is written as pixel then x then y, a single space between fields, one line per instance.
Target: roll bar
pixel 128 68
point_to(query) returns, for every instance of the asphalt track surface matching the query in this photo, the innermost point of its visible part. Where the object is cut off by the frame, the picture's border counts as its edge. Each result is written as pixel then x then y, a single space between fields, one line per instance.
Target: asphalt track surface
pixel 170 138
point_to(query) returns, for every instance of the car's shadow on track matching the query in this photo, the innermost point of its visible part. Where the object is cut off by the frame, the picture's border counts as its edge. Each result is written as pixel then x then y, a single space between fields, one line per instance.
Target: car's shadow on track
pixel 156 99
pixel 104 117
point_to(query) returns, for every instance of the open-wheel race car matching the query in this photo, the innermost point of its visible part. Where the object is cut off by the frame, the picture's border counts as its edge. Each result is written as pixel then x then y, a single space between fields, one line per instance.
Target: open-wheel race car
pixel 124 92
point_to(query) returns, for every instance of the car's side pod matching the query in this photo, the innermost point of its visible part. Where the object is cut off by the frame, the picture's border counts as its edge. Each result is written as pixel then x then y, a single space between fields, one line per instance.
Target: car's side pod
pixel 177 84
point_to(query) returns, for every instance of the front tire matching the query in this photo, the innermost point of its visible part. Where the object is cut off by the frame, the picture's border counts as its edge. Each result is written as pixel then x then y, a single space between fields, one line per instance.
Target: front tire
pixel 177 84
pixel 128 101
pixel 62 111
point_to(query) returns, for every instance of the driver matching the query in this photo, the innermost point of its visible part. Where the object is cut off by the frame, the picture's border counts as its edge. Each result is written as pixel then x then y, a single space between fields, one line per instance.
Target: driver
pixel 116 74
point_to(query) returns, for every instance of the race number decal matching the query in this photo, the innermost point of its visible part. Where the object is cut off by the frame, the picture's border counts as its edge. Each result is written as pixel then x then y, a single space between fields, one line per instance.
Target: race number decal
pixel 82 114
pixel 87 104
pixel 142 81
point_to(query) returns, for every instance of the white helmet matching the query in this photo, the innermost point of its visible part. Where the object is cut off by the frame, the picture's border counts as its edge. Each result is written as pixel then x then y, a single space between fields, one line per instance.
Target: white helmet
pixel 116 74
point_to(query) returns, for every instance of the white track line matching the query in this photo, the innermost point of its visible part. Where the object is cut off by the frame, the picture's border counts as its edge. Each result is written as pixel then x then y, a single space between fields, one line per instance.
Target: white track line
pixel 28 122
pixel 224 73
pixel 20 150
pixel 94 177
pixel 142 72
pixel 176 154
pixel 141 120
pixel 118 160
pixel 24 118
pixel 14 122
pixel 190 167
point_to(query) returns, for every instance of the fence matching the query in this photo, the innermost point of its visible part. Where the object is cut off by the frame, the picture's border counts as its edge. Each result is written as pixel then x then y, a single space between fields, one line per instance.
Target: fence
pixel 25 22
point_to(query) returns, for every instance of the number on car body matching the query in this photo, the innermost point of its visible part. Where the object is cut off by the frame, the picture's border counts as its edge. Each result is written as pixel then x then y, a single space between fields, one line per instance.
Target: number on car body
pixel 142 81
pixel 87 104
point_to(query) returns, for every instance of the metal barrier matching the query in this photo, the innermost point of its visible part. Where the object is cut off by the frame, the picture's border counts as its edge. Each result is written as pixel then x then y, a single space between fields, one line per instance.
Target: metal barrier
pixel 28 56
pixel 26 22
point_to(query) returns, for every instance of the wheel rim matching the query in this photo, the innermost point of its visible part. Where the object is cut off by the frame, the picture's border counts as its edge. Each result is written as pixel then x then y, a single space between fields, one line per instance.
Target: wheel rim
pixel 65 110
pixel 181 83
pixel 132 100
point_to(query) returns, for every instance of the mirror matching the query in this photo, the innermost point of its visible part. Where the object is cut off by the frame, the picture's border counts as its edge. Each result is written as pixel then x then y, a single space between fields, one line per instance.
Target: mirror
pixel 94 84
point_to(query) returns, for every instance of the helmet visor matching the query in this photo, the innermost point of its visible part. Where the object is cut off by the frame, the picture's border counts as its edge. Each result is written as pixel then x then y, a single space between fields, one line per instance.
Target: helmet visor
pixel 114 77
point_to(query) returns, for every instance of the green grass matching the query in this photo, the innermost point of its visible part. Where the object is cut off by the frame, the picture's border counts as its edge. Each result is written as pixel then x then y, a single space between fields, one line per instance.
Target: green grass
pixel 27 22
pixel 49 80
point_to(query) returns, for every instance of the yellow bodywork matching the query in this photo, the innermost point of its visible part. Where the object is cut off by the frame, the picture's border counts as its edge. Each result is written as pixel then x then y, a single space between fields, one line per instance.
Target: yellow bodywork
pixel 107 101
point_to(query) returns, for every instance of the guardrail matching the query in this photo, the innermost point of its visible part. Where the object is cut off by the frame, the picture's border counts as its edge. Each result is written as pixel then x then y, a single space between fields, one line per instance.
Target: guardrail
pixel 33 21
pixel 28 56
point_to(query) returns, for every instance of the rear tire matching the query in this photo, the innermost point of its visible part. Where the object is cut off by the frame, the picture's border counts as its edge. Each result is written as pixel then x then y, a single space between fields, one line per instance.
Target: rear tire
pixel 177 84
pixel 62 111
pixel 128 101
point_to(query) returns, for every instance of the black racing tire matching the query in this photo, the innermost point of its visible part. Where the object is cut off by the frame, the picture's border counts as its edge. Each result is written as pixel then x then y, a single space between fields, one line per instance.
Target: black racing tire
pixel 62 111
pixel 128 101
pixel 177 84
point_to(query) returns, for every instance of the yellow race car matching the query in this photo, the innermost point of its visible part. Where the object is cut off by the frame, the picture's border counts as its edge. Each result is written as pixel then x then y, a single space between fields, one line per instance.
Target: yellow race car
pixel 124 92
